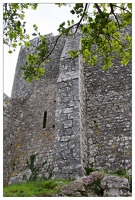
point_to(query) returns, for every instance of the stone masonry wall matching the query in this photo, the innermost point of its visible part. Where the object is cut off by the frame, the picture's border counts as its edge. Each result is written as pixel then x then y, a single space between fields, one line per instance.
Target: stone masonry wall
pixel 11 112
pixel 109 108
pixel 30 138
pixel 20 87
pixel 74 117
pixel 68 149
pixel 109 114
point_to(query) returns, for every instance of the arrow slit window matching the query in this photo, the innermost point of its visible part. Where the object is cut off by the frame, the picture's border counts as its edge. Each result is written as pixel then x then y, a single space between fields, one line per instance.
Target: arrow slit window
pixel 45 119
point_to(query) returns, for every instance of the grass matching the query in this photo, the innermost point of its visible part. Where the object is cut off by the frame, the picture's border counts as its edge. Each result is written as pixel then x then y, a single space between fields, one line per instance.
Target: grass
pixel 44 188
pixel 41 188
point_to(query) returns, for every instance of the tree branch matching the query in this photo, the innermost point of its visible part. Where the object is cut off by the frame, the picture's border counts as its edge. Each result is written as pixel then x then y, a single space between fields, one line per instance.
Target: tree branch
pixel 121 8
pixel 98 8
pixel 108 41
pixel 77 24
pixel 84 12
pixel 56 41
pixel 52 48
pixel 112 11
pixel 117 40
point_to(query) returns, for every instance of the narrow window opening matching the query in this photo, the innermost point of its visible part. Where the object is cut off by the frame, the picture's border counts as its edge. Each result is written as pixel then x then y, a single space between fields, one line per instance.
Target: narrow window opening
pixel 44 119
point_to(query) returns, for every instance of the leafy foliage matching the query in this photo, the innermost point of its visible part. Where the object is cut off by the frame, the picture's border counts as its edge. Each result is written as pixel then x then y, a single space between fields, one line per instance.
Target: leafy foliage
pixel 33 68
pixel 94 180
pixel 14 25
pixel 102 37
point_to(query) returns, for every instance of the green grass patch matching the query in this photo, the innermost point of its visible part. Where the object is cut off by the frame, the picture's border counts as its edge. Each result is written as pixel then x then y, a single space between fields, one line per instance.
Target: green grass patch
pixel 41 188
pixel 122 172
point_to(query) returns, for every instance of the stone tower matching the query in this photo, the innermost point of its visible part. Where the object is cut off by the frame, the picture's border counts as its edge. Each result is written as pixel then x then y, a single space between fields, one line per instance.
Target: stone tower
pixel 75 117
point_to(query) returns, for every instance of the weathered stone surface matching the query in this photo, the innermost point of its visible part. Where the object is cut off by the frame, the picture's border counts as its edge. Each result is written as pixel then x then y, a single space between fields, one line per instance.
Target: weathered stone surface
pixel 112 186
pixel 129 172
pixel 85 180
pixel 91 193
pixel 115 186
pixel 76 194
pixel 21 177
pixel 75 186
pixel 15 179
pixel 27 174
pixel 88 121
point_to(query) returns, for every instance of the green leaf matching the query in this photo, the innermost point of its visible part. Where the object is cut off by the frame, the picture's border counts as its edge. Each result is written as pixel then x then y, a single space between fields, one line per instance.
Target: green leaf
pixel 73 54
pixel 34 34
pixel 14 45
pixel 27 44
pixel 68 23
pixel 72 11
pixel 61 4
pixel 90 19
pixel 72 22
pixel 10 51
pixel 35 27
pixel 18 23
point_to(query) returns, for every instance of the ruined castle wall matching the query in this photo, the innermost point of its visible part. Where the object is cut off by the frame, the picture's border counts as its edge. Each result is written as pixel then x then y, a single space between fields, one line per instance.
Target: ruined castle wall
pixel 75 116
pixel 11 112
pixel 31 137
pixel 20 87
pixel 109 111
pixel 109 122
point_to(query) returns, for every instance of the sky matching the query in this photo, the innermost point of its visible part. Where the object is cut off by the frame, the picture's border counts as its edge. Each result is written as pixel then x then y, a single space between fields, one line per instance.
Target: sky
pixel 47 17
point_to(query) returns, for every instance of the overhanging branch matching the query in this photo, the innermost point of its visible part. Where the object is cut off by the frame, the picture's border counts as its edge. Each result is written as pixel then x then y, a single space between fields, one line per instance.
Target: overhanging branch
pixel 77 24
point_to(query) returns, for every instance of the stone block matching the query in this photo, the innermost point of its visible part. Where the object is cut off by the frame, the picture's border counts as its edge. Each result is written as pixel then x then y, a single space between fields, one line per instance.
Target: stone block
pixel 75 186
pixel 68 124
pixel 114 186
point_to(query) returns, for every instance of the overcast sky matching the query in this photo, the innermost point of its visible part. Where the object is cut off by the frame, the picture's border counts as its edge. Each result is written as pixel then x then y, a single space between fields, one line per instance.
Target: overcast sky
pixel 47 17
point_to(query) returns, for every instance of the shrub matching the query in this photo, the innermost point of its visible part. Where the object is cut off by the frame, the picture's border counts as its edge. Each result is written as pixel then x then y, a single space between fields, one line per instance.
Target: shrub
pixel 94 180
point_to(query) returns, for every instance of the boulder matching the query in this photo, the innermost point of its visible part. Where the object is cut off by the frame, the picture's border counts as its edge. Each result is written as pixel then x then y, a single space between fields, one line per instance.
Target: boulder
pixel 20 177
pixel 91 193
pixel 26 175
pixel 72 188
pixel 85 180
pixel 111 186
pixel 15 179
pixel 114 186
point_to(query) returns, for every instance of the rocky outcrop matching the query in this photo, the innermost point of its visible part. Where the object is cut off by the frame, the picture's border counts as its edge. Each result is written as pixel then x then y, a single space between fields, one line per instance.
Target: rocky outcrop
pixel 114 186
pixel 111 186
pixel 74 187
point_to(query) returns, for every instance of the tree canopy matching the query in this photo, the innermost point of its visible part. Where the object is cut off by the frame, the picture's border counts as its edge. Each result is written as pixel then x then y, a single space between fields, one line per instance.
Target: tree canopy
pixel 101 31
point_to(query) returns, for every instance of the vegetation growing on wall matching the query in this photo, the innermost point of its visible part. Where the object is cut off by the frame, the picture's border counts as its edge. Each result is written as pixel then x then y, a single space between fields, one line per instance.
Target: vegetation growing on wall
pixel 34 169
pixel 37 168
